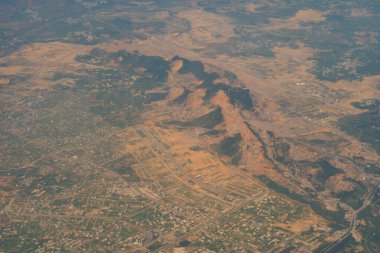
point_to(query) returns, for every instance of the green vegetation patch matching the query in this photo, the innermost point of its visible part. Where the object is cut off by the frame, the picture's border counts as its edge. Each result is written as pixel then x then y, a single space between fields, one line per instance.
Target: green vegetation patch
pixel 281 152
pixel 129 173
pixel 230 146
pixel 327 170
pixel 209 120
pixel 372 168
pixel 337 217
pixel 367 104
pixel 237 95
pixel 364 126
pixel 124 167
pixel 181 98
pixel 123 91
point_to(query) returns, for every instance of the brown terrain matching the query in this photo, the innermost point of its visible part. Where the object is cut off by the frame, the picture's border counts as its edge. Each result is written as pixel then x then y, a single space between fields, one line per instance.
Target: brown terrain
pixel 291 107
pixel 39 61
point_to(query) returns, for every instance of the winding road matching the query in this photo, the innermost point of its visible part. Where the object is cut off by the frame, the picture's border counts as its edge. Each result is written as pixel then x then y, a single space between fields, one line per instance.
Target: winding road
pixel 367 201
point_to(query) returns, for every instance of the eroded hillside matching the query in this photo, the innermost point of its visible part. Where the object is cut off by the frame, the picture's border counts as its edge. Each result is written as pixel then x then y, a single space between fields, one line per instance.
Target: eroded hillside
pixel 197 125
